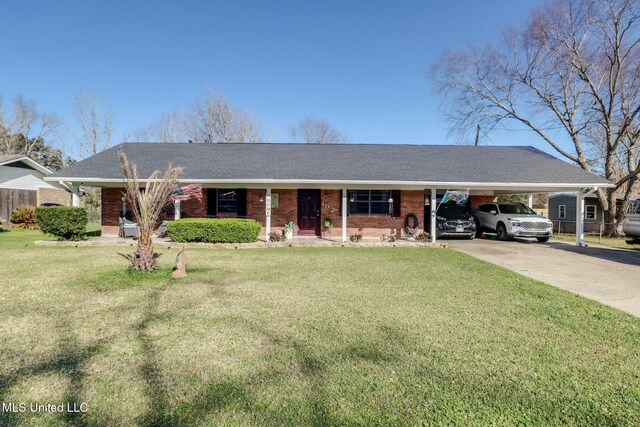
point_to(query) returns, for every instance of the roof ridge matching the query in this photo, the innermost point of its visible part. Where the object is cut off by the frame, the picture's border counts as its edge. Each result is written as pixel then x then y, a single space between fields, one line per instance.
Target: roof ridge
pixel 303 144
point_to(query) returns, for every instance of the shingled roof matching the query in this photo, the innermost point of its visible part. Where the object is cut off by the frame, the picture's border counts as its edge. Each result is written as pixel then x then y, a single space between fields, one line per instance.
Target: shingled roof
pixel 337 163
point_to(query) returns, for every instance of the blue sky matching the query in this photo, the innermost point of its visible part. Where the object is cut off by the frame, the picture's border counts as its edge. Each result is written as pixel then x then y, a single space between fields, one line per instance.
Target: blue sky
pixel 362 65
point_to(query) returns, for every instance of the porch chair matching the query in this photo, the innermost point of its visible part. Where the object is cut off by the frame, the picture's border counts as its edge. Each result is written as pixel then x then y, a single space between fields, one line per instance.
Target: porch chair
pixel 128 228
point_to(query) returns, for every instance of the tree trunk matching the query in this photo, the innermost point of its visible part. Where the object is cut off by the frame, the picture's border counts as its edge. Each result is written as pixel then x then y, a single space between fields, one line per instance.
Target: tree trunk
pixel 144 258
pixel 611 216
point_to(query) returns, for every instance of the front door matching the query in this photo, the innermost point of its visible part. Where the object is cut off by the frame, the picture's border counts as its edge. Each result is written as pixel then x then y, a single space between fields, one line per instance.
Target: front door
pixel 309 212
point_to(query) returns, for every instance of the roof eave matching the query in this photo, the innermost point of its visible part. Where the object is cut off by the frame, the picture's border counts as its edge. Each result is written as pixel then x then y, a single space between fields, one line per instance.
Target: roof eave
pixel 342 183
pixel 35 165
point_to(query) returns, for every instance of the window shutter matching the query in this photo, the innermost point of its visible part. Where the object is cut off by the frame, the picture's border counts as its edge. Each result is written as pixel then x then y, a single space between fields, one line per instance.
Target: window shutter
pixel 241 196
pixel 212 201
pixel 340 204
pixel 395 195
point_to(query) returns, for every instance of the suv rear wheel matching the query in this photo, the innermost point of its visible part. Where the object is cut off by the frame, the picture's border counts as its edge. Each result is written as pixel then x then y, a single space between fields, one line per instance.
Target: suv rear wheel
pixel 501 232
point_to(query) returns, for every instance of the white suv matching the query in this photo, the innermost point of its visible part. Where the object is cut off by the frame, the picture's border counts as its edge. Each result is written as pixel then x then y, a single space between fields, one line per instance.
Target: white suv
pixel 512 220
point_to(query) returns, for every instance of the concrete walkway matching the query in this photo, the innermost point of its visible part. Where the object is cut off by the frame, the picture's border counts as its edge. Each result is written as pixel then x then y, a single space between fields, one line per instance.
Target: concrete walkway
pixel 610 276
pixel 296 242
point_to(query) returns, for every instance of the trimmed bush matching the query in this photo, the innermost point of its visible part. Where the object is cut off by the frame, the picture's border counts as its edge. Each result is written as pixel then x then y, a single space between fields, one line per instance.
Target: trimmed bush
pixel 66 223
pixel 23 217
pixel 216 230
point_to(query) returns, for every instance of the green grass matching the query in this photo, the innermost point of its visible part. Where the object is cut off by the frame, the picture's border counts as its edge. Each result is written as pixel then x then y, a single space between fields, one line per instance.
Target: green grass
pixel 612 242
pixel 93 229
pixel 306 336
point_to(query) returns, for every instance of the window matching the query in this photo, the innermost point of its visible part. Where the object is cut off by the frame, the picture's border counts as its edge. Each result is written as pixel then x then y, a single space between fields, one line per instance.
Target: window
pixel 515 209
pixel 227 200
pixel 369 202
pixel 590 212
pixel 562 211
pixel 487 208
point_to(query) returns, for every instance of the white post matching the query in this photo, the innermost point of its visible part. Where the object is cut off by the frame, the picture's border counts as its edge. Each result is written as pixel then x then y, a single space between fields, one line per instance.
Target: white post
pixel 344 214
pixel 176 205
pixel 75 196
pixel 530 201
pixel 267 213
pixel 432 208
pixel 580 218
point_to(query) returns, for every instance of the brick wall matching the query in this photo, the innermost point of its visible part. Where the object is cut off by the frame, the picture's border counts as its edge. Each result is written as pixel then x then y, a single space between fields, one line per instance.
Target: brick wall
pixel 478 200
pixel 286 211
pixel 368 225
pixel 112 209
pixel 377 225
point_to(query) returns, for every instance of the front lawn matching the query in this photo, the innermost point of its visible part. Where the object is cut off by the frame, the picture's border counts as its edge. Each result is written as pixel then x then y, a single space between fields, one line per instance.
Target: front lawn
pixel 306 336
pixel 612 242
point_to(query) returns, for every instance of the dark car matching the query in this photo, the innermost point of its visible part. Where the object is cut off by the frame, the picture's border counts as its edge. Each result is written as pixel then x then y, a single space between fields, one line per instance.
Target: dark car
pixel 454 221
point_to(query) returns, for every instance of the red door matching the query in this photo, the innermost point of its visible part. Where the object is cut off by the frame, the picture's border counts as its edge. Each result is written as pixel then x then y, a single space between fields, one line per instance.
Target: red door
pixel 309 212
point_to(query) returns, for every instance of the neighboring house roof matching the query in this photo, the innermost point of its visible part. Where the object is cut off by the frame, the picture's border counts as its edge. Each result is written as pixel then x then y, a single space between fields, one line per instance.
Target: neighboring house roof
pixel 6 159
pixel 571 195
pixel 589 196
pixel 345 163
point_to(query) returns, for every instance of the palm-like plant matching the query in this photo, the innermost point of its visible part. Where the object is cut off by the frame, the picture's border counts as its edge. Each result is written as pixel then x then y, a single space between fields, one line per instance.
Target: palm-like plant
pixel 146 205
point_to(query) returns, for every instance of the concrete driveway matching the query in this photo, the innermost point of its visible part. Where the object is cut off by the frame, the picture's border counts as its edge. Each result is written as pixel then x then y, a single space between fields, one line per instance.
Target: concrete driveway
pixel 610 276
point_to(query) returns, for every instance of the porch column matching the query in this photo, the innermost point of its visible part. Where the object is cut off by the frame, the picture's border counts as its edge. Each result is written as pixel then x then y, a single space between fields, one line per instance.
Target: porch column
pixel 580 218
pixel 432 208
pixel 176 205
pixel 344 214
pixel 75 196
pixel 267 213
pixel 530 200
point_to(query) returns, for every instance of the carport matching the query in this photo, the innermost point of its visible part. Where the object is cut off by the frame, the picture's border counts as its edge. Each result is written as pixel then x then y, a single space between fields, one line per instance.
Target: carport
pixel 492 190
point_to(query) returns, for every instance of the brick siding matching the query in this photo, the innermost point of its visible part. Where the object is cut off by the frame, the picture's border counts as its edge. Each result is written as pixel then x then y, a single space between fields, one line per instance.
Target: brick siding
pixel 112 209
pixel 368 225
pixel 478 200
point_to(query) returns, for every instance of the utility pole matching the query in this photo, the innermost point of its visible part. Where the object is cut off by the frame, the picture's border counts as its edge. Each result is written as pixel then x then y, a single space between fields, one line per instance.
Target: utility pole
pixel 477 135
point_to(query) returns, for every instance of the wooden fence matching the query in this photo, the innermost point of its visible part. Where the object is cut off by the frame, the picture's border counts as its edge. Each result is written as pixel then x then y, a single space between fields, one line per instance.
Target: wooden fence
pixel 11 199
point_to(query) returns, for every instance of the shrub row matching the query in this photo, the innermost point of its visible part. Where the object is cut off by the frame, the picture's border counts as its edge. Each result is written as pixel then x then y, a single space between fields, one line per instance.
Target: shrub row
pixel 66 223
pixel 218 230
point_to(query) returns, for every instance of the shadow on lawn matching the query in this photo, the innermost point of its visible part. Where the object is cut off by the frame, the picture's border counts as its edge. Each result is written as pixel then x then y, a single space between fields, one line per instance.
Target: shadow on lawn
pixel 243 393
pixel 69 361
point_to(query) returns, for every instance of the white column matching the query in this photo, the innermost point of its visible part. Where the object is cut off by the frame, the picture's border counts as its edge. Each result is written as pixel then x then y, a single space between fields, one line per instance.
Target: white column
pixel 75 196
pixel 432 208
pixel 530 201
pixel 176 205
pixel 580 218
pixel 267 213
pixel 344 214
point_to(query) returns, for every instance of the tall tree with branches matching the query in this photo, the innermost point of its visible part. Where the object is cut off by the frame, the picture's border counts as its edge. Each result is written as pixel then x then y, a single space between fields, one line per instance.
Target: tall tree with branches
pixel 96 124
pixel 312 131
pixel 571 77
pixel 214 120
pixel 147 204
pixel 24 129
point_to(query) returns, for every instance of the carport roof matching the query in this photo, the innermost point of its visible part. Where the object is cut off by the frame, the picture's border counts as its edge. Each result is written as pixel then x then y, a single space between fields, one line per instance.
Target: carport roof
pixel 393 164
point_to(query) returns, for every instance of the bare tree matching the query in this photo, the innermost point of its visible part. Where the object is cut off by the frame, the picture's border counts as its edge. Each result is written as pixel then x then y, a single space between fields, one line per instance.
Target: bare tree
pixel 146 205
pixel 25 129
pixel 313 131
pixel 96 124
pixel 571 77
pixel 168 128
pixel 214 120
